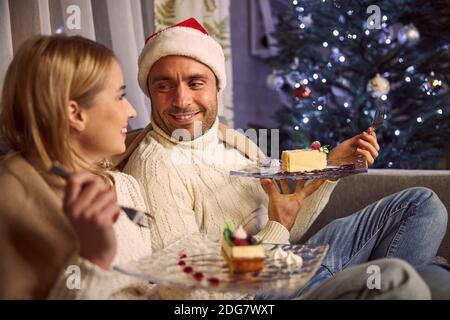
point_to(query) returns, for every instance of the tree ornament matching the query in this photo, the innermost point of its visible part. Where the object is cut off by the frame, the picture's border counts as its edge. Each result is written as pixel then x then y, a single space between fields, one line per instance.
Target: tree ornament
pixel 433 82
pixel 431 85
pixel 408 35
pixel 301 92
pixel 378 86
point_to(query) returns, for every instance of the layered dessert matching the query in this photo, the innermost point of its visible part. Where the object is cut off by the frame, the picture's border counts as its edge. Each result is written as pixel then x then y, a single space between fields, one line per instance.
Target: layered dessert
pixel 243 253
pixel 305 159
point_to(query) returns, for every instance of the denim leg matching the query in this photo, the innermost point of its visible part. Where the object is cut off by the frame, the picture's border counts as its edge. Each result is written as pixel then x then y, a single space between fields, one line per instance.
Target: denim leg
pixel 398 280
pixel 409 225
pixel 437 277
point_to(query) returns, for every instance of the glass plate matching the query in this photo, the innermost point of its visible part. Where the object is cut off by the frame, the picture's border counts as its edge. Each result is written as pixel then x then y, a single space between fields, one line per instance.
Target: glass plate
pixel 195 262
pixel 272 170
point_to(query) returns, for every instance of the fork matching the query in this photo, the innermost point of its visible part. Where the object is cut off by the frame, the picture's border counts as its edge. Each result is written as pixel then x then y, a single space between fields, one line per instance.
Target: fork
pixel 139 217
pixel 378 119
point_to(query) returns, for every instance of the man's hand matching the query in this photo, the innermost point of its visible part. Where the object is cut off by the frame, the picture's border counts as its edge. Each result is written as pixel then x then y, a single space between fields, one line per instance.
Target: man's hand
pixel 92 210
pixel 283 208
pixel 364 144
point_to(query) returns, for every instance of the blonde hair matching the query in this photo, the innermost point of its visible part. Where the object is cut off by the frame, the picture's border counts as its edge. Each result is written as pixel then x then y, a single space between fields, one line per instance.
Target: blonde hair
pixel 45 74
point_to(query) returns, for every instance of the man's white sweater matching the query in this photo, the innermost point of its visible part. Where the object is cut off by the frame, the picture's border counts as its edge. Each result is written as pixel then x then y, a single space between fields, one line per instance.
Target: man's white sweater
pixel 187 187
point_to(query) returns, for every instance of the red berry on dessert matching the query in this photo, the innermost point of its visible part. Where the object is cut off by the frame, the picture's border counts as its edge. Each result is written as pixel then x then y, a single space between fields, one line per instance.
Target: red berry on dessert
pixel 240 242
pixel 315 145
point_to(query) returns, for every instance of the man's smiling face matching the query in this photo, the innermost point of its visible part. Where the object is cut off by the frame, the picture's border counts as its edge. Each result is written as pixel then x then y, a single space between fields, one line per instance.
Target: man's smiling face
pixel 182 91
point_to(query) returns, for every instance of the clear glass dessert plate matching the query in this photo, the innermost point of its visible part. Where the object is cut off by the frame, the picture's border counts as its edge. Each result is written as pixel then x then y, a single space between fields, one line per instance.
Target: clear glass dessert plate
pixel 271 169
pixel 195 262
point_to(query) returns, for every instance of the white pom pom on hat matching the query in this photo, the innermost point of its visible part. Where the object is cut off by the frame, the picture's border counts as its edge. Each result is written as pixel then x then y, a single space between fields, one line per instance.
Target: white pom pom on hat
pixel 187 38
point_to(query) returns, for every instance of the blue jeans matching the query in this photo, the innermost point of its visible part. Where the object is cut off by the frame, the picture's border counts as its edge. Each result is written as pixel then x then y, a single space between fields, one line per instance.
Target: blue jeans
pixel 408 225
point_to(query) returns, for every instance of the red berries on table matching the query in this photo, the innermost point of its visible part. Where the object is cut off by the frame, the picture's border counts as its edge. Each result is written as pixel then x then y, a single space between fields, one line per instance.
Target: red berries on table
pixel 188 270
pixel 213 281
pixel 198 276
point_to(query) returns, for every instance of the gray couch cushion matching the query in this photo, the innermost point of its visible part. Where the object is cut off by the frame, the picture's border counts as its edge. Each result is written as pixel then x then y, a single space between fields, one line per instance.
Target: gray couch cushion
pixel 355 192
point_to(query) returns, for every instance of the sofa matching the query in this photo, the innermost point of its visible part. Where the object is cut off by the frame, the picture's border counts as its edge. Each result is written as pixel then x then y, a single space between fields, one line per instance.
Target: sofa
pixel 355 192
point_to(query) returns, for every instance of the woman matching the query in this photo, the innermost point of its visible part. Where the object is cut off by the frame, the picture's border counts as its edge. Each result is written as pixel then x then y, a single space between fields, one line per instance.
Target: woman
pixel 64 100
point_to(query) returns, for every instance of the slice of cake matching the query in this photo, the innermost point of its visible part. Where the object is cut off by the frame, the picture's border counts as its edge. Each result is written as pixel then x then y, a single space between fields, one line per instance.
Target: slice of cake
pixel 305 159
pixel 242 253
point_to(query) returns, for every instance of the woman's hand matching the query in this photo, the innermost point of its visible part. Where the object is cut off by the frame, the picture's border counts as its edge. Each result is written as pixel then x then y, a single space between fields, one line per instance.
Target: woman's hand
pixel 364 144
pixel 92 210
pixel 283 208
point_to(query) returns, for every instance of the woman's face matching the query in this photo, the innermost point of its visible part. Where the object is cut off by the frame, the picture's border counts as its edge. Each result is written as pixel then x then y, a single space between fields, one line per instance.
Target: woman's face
pixel 106 121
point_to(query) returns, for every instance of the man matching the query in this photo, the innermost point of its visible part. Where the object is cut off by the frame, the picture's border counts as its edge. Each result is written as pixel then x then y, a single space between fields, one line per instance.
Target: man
pixel 188 189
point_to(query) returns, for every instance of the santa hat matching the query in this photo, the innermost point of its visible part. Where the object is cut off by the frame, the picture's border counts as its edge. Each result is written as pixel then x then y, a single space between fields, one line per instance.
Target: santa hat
pixel 187 38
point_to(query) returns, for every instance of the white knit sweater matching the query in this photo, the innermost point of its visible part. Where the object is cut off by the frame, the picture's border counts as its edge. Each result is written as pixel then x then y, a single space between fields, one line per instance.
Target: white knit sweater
pixel 187 188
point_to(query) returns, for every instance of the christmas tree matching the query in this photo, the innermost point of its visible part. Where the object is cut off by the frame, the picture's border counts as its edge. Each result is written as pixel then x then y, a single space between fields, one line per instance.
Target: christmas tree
pixel 338 61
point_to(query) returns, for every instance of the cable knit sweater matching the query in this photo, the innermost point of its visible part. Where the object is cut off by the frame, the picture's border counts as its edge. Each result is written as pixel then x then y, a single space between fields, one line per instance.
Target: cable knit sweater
pixel 187 188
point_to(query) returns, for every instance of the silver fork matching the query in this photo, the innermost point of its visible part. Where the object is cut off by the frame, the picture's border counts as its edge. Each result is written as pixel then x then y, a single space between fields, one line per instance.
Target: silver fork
pixel 139 217
pixel 378 119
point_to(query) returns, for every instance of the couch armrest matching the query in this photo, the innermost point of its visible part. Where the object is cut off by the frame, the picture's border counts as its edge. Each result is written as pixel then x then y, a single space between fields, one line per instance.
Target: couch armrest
pixel 355 192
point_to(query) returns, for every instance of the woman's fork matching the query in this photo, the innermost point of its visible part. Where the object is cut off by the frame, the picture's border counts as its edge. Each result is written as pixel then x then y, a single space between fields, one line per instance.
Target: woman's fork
pixel 139 217
pixel 378 119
